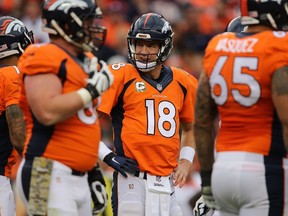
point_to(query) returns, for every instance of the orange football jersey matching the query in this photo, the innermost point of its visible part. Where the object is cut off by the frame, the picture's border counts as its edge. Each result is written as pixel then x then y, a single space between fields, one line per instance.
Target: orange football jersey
pixel 73 142
pixel 10 94
pixel 240 68
pixel 146 115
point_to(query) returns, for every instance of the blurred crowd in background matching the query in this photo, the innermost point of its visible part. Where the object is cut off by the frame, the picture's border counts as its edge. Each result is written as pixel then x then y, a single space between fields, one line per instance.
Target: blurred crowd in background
pixel 194 23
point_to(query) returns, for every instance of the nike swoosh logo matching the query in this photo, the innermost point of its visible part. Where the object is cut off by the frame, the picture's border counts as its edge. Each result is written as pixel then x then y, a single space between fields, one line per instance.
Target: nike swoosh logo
pixel 113 159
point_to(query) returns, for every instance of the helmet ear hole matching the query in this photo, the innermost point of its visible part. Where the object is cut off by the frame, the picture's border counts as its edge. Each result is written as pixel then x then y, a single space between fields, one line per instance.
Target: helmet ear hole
pixel 152 27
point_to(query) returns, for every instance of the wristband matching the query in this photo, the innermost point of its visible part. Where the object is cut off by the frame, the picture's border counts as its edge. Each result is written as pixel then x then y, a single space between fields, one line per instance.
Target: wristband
pixel 85 96
pixel 187 153
pixel 206 177
pixel 103 151
pixel 92 90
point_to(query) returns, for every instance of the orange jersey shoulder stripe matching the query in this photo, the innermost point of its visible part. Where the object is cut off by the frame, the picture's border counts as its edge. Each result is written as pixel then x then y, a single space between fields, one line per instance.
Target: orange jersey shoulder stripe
pixel 10 86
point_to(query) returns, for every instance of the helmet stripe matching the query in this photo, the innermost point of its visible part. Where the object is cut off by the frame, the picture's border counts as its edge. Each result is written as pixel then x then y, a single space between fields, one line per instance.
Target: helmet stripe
pixel 244 9
pixel 147 18
pixel 4 26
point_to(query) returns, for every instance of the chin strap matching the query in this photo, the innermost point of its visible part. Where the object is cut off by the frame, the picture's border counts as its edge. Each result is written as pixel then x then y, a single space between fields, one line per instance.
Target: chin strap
pixel 8 53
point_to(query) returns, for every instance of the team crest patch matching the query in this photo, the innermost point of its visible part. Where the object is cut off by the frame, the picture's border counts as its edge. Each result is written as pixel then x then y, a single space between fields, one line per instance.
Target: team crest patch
pixel 140 87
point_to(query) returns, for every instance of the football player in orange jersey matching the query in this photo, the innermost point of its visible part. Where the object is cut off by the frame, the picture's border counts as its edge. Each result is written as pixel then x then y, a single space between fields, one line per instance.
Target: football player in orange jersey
pixel 147 103
pixel 244 81
pixel 14 38
pixel 59 94
pixel 200 208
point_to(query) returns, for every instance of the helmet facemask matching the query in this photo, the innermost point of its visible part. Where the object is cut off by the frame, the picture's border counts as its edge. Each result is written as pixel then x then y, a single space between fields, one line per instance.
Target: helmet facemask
pixel 94 32
pixel 269 13
pixel 143 62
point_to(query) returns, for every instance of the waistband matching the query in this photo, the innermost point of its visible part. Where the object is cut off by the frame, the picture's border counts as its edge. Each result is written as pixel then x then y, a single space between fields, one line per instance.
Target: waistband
pixel 59 166
pixel 244 156
pixel 142 175
pixel 77 173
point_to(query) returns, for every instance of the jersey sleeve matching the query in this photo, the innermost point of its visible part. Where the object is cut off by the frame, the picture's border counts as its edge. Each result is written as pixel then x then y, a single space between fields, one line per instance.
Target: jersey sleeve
pixel 207 64
pixel 280 46
pixel 187 111
pixel 39 59
pixel 109 97
pixel 11 88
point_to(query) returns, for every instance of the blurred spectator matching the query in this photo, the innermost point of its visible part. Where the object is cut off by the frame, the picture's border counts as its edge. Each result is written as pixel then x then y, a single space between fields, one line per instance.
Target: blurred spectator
pixel 138 7
pixel 117 29
pixel 194 22
pixel 31 17
pixel 116 23
pixel 169 9
pixel 10 7
pixel 192 36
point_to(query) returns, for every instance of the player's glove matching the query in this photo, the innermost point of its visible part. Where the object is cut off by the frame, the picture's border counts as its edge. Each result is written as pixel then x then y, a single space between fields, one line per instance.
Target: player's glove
pixel 207 191
pixel 201 208
pixel 122 164
pixel 97 189
pixel 98 81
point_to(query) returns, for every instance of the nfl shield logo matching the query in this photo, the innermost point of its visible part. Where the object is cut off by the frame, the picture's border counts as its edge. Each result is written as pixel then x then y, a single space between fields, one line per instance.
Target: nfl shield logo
pixel 158 178
pixel 159 87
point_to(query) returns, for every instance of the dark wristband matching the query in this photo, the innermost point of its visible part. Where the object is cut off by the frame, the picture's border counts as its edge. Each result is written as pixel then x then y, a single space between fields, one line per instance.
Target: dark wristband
pixel 206 177
pixel 108 157
pixel 93 92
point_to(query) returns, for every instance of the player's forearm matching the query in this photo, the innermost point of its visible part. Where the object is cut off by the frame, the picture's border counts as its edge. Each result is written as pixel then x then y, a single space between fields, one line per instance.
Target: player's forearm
pixel 187 151
pixel 17 127
pixel 205 113
pixel 187 135
pixel 205 146
pixel 280 99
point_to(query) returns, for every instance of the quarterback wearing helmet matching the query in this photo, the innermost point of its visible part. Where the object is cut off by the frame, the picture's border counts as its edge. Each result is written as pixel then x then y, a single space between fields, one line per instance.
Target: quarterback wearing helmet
pixel 150 27
pixel 60 90
pixel 14 39
pixel 147 103
pixel 244 82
